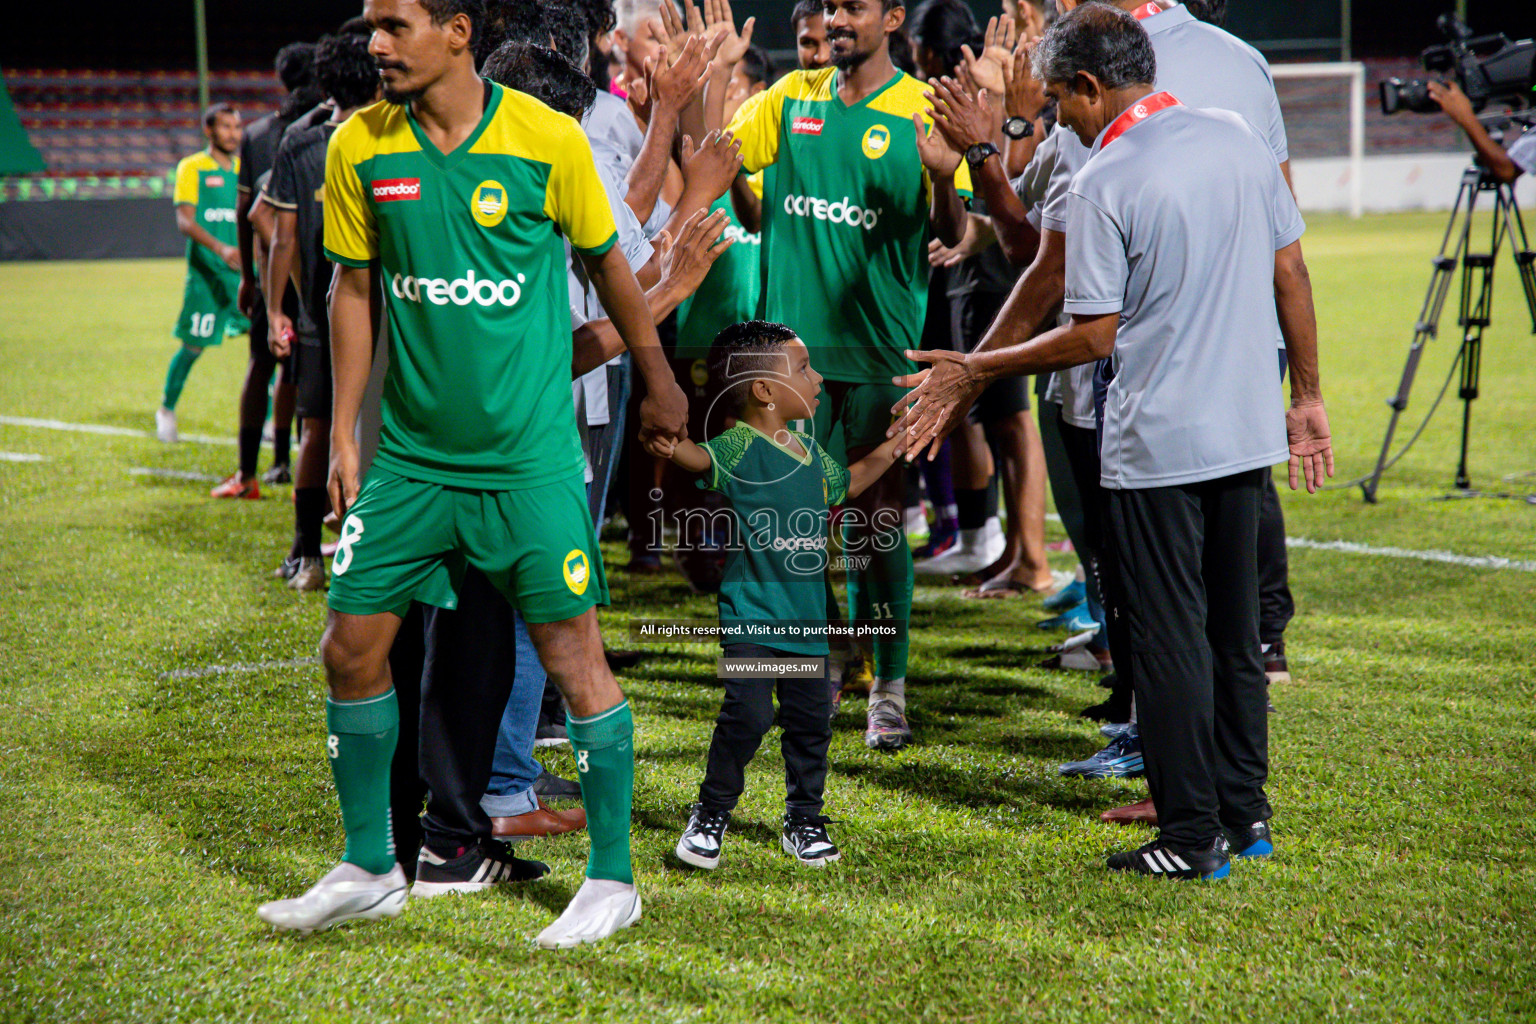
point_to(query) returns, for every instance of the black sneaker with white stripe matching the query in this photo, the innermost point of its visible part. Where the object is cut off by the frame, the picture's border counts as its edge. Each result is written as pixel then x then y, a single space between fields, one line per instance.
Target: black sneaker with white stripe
pixel 701 840
pixel 474 868
pixel 1158 858
pixel 807 841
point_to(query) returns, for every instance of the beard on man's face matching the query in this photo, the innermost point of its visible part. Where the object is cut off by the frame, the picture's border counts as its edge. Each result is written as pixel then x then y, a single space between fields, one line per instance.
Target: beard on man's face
pixel 394 94
pixel 851 57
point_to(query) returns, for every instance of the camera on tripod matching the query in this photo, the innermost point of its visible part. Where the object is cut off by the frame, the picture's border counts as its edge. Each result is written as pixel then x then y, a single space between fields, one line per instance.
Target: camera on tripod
pixel 1488 69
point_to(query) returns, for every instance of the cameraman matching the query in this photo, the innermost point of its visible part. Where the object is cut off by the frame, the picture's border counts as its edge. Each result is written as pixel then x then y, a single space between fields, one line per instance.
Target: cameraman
pixel 1504 164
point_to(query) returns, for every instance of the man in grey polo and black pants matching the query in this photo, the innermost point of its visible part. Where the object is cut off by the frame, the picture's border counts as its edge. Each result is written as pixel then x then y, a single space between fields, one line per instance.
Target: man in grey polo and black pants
pixel 1176 268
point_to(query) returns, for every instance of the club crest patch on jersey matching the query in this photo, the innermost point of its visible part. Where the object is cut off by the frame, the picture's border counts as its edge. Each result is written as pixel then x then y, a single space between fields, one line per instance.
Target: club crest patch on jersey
pixel 489 203
pixel 577 572
pixel 877 140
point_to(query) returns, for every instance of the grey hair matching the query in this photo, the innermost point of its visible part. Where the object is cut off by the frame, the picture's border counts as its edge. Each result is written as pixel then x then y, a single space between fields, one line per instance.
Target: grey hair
pixel 1101 40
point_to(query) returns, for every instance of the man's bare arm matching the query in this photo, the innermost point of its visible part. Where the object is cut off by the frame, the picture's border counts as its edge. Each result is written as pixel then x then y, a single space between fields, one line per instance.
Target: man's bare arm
pixel 282 268
pixel 665 409
pixel 352 332
pixel 186 223
pixel 684 265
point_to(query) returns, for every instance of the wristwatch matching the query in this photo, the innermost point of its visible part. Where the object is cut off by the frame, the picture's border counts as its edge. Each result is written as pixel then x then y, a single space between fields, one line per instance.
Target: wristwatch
pixel 978 154
pixel 1018 128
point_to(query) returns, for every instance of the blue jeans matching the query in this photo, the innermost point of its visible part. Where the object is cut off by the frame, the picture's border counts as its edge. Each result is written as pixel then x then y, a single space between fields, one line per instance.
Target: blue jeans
pixel 604 442
pixel 513 768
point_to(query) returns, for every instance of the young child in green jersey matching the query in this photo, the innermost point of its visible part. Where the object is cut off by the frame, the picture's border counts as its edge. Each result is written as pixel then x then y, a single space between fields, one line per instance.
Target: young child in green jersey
pixel 780 484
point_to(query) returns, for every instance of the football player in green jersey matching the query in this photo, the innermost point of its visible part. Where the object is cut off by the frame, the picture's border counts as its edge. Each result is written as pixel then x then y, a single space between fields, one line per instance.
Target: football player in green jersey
pixel 451 203
pixel 858 187
pixel 205 195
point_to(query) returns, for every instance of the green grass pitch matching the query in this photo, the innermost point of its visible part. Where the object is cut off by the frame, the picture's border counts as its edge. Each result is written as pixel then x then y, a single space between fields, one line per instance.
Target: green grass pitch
pixel 145 816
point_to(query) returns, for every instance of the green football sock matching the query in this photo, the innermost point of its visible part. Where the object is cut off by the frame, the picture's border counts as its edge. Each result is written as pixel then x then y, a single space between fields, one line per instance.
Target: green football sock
pixel 605 764
pixel 176 376
pixel 882 592
pixel 361 746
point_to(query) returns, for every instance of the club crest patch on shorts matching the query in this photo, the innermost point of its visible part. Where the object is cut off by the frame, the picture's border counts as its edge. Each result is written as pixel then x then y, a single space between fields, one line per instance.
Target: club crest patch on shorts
pixel 578 573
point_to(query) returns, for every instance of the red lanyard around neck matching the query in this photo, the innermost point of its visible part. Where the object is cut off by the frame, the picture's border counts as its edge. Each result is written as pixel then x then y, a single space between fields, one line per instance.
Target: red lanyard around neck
pixel 1138 112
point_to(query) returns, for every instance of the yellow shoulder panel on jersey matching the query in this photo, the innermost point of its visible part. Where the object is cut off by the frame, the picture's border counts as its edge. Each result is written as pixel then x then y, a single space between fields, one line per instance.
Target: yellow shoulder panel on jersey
pixel 351 234
pixel 574 197
pixel 186 187
pixel 905 98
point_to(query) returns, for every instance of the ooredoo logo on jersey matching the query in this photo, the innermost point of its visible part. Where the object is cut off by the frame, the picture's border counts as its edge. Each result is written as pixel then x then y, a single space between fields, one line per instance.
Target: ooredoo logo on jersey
pixel 461 291
pixel 840 211
pixel 393 190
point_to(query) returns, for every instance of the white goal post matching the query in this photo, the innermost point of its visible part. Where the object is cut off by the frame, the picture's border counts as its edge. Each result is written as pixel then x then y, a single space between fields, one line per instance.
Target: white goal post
pixel 1355 72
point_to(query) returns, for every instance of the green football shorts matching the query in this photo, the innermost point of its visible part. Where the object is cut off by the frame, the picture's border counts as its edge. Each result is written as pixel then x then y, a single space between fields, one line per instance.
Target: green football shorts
pixel 207 307
pixel 407 540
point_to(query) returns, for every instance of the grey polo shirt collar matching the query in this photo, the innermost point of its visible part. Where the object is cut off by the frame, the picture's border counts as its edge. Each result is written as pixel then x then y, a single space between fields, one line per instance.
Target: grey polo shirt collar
pixel 1169 18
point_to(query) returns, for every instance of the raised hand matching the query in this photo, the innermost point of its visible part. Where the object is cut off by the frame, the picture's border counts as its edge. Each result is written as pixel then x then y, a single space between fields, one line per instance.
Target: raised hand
pixel 712 166
pixel 700 241
pixel 1024 94
pixel 996 51
pixel 676 82
pixel 963 118
pixel 1306 427
pixel 721 24
pixel 939 158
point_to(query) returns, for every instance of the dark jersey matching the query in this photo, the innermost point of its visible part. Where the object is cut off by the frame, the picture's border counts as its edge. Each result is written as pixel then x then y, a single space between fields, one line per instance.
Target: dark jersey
pixel 298 186
pixel 258 150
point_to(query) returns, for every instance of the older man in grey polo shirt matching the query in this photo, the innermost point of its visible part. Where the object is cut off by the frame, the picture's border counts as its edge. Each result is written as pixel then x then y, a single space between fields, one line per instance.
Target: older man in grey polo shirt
pixel 1176 269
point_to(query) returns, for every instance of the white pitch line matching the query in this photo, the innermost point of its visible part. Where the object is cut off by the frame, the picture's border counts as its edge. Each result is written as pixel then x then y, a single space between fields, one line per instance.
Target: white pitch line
pixel 20 457
pixel 1445 557
pixel 174 474
pixel 97 428
pixel 244 666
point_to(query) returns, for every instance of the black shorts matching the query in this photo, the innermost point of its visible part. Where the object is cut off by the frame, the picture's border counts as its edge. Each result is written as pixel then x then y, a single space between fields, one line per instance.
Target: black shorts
pixel 312 379
pixel 970 316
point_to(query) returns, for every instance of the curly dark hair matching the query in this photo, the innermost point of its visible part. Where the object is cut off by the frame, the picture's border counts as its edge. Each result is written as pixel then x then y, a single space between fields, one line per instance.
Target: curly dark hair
pixel 346 70
pixel 523 21
pixel 543 74
pixel 599 15
pixel 746 352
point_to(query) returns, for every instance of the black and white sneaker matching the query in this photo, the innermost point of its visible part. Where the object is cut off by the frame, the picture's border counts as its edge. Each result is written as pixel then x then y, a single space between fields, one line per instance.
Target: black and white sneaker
pixel 807 841
pixel 474 868
pixel 701 840
pixel 1158 858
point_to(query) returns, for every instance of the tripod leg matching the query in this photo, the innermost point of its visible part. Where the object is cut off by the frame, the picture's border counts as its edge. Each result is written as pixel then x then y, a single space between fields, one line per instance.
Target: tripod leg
pixel 1428 324
pixel 1424 330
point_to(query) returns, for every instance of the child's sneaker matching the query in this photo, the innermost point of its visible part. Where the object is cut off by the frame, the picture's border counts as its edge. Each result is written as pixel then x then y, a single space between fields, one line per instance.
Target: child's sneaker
pixel 701 840
pixel 807 841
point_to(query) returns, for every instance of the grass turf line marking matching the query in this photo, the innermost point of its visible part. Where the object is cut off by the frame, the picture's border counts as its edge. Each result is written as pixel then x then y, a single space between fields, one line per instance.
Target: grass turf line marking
pixel 174 474
pixel 96 428
pixel 20 457
pixel 1447 557
pixel 239 666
